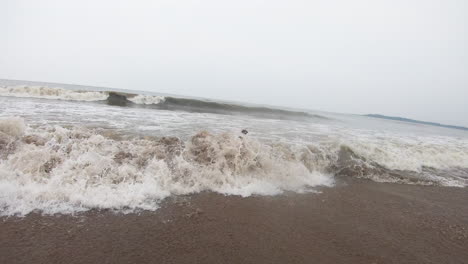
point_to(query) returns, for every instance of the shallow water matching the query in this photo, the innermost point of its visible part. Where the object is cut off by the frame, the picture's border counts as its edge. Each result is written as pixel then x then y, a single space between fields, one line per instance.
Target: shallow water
pixel 64 150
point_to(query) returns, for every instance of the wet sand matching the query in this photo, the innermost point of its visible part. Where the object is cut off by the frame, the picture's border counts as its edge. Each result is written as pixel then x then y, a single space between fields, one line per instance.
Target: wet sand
pixel 355 222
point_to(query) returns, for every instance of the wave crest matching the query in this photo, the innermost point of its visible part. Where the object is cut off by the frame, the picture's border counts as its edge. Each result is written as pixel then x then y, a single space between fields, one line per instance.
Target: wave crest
pixel 146 99
pixel 52 93
pixel 151 101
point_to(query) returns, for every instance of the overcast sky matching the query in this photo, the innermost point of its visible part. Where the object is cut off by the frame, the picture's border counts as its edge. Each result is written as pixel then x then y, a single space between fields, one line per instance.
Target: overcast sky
pixel 395 57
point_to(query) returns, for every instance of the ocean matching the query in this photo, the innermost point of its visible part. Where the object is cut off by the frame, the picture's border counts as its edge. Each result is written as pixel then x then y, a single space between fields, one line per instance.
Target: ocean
pixel 68 149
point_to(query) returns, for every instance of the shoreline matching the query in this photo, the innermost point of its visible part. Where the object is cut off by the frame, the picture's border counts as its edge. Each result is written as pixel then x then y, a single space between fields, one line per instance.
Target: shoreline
pixel 357 221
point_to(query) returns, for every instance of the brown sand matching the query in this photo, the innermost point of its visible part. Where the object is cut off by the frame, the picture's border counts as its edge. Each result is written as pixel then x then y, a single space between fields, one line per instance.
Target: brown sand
pixel 356 222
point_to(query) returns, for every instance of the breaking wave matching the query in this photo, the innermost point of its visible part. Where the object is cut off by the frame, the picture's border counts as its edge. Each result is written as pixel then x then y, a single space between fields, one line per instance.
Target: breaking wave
pixel 151 101
pixel 59 169
pixel 146 99
pixel 52 93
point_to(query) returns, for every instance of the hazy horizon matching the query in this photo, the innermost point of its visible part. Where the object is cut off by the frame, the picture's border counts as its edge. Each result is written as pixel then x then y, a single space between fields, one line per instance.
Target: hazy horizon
pixel 396 58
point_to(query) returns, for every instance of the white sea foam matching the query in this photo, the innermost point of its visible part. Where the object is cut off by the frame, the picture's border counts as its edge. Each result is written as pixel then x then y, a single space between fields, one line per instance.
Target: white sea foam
pixel 52 93
pixel 68 169
pixel 146 99
pixel 65 170
pixel 71 95
pixel 414 155
pixel 12 126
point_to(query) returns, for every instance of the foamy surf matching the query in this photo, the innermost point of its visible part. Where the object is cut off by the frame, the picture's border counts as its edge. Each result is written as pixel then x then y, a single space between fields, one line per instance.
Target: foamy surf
pixel 66 170
pixel 57 93
pixel 146 99
pixel 52 93
pixel 58 169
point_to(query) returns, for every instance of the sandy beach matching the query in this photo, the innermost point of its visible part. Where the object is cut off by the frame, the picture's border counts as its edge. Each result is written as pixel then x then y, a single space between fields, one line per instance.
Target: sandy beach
pixel 355 222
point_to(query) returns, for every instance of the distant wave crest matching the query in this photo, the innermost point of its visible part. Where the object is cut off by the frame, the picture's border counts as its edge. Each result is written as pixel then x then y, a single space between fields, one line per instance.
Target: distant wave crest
pixel 52 93
pixel 152 101
pixel 146 99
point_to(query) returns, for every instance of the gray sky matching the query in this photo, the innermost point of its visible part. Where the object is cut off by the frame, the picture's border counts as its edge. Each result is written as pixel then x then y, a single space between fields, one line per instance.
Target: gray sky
pixel 396 57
